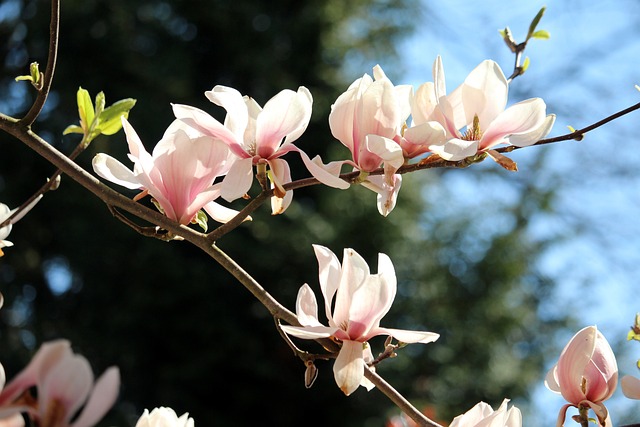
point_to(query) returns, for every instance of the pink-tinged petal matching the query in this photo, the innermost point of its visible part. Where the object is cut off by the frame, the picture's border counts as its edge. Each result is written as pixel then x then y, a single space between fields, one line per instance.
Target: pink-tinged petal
pixel 280 174
pixel 439 83
pixel 343 113
pixel 409 337
pixel 380 111
pixel 355 272
pixel 423 103
pixel 426 134
pixel 326 174
pixel 136 148
pixel 69 384
pixel 551 380
pixel 221 213
pixel 404 95
pixel 230 99
pixel 309 332
pixel 387 192
pixel 207 125
pixel 330 272
pixel 103 396
pixel 484 92
pixel 529 138
pixel 563 414
pixel 455 149
pixel 283 119
pixel 386 149
pixel 630 386
pixel 521 118
pixel 238 180
pixel 348 369
pixel 45 359
pixel 307 307
pixel 112 170
pixel 573 362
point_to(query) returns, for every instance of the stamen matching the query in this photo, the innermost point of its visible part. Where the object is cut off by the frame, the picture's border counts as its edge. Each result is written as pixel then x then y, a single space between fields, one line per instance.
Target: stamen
pixel 474 133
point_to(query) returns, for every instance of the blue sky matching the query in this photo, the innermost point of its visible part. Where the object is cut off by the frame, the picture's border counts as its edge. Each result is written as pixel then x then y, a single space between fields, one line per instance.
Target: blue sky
pixel 586 71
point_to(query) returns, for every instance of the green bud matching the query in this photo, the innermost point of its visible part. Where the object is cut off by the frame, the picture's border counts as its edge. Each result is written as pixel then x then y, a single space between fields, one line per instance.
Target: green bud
pixel 201 220
pixel 35 77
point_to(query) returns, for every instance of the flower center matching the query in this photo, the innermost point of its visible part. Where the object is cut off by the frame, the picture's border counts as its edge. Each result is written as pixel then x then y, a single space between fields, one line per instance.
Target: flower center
pixel 473 133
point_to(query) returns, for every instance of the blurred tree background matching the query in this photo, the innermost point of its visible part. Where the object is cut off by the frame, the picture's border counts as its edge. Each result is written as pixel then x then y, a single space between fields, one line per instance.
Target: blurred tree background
pixel 182 331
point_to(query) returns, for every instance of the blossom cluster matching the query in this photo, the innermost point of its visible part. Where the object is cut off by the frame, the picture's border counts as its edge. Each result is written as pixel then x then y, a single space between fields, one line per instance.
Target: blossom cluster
pixel 199 159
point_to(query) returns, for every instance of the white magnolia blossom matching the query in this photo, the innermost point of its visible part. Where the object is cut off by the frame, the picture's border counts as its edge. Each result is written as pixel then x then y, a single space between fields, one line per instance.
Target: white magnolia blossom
pixel 164 417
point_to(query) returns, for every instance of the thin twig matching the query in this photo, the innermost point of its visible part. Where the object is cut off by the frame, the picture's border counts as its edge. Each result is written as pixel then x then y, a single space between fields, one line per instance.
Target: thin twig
pixel 399 399
pixel 41 98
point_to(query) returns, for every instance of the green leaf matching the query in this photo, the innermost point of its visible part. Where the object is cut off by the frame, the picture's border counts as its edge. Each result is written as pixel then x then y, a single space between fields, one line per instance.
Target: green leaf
pixel 201 220
pixel 541 34
pixel 109 121
pixel 525 64
pixel 73 129
pixel 85 108
pixel 100 101
pixel 535 22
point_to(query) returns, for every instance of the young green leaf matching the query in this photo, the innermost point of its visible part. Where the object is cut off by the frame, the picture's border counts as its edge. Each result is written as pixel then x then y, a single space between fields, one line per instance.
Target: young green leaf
pixel 535 22
pixel 85 109
pixel 541 34
pixel 109 121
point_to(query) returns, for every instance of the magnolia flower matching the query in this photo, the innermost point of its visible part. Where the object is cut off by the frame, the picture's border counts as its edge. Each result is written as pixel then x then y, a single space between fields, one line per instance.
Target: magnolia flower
pixel 361 300
pixel 179 174
pixel 630 386
pixel 482 415
pixel 367 119
pixel 586 374
pixel 164 417
pixel 256 135
pixel 474 114
pixel 64 383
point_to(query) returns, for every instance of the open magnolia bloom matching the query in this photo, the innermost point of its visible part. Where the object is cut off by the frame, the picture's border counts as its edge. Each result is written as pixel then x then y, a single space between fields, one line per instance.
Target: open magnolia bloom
pixel 255 135
pixel 179 174
pixel 586 374
pixel 368 119
pixel 483 415
pixel 65 384
pixel 359 300
pixel 474 114
pixel 164 417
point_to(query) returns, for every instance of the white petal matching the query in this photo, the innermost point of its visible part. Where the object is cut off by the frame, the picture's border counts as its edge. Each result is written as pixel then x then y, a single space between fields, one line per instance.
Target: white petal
pixel 348 369
pixel 455 149
pixel 238 180
pixel 309 332
pixel 526 139
pixel 409 337
pixel 112 170
pixel 307 307
pixel 103 396
pixel 326 174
